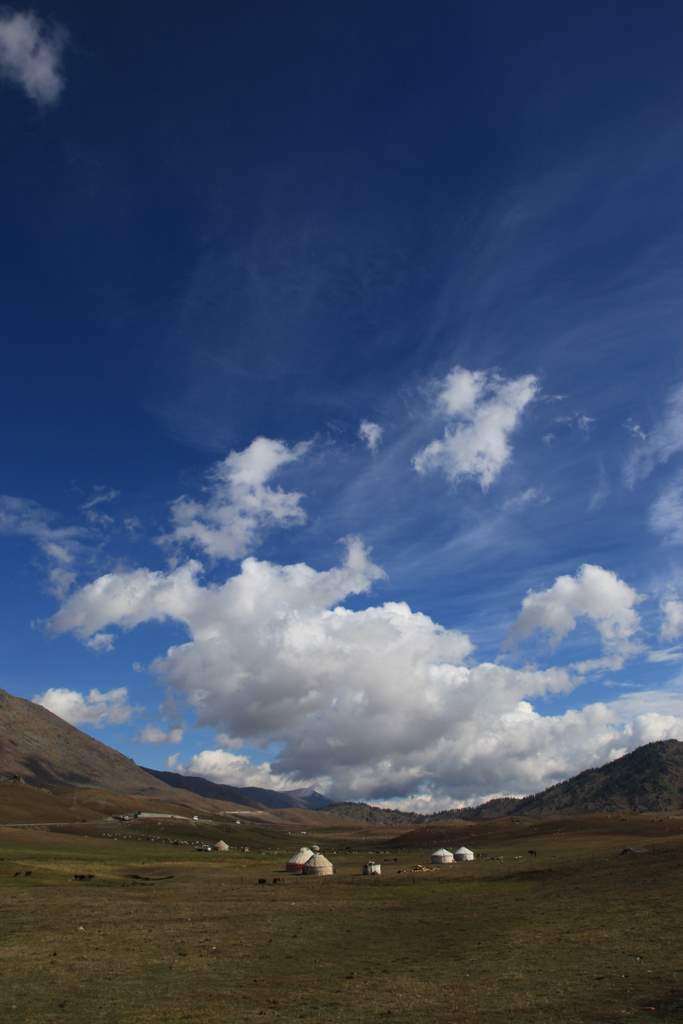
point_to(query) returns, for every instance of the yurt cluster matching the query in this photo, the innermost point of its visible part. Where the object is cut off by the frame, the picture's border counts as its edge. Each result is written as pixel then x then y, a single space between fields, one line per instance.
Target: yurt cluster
pixel 312 862
pixel 443 856
pixel 309 862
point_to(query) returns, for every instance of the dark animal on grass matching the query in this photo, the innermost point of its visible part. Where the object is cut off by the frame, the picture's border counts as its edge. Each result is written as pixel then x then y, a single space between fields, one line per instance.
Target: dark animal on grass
pixel 263 881
pixel 532 853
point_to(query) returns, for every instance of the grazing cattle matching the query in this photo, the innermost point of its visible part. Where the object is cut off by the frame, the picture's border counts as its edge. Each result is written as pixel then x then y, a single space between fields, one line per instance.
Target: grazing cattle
pixel 263 881
pixel 532 853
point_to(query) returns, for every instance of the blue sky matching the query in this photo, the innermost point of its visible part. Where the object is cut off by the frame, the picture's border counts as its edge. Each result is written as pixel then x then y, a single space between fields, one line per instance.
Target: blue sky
pixel 234 236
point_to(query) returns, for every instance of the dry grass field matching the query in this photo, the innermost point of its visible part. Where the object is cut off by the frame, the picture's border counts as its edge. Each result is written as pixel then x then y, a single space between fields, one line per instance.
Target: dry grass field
pixel 578 934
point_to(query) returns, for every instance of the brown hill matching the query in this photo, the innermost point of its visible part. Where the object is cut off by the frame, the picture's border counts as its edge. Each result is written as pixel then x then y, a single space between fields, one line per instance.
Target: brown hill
pixel 44 750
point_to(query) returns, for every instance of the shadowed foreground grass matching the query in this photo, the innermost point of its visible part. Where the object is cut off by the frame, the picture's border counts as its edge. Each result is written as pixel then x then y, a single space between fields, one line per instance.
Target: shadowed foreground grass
pixel 576 934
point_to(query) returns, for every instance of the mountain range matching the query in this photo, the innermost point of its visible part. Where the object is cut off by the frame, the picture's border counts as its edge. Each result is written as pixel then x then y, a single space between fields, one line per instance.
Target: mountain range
pixel 249 796
pixel 650 778
pixel 39 748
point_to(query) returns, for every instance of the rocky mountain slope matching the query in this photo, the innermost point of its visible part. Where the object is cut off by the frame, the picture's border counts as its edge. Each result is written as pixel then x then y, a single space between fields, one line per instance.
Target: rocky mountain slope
pixel 44 750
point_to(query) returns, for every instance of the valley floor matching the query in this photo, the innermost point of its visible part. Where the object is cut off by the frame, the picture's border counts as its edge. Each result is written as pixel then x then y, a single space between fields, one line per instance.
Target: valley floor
pixel 578 934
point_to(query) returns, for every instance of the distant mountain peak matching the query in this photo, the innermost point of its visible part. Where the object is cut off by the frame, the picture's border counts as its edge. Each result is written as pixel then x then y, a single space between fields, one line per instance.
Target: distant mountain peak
pixel 249 796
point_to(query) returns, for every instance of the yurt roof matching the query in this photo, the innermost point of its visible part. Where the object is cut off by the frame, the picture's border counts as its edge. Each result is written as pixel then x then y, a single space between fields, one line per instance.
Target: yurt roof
pixel 301 856
pixel 442 853
pixel 463 849
pixel 318 860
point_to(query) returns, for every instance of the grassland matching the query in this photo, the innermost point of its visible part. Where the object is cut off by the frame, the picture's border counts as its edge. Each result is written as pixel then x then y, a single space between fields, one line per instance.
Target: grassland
pixel 578 934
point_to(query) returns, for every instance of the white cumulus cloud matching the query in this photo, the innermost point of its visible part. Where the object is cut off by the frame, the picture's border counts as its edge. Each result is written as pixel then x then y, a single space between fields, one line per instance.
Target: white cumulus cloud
pixel 482 410
pixel 153 734
pixel 101 642
pixel 93 708
pixel 593 593
pixel 370 434
pixel 31 55
pixel 234 770
pixel 370 701
pixel 240 503
pixel 374 701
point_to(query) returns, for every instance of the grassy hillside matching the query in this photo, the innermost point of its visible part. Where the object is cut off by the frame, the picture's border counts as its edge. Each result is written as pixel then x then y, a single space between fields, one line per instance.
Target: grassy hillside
pixel 24 803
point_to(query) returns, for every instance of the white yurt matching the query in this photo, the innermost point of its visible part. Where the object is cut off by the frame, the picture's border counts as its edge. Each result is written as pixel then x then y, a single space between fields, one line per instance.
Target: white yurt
pixel 462 853
pixel 223 847
pixel 442 856
pixel 318 865
pixel 372 869
pixel 296 862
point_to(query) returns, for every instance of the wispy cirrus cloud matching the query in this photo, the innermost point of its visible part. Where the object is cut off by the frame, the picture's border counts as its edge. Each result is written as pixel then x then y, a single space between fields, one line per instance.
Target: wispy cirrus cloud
pixel 582 422
pixel 61 545
pixel 92 506
pixel 667 655
pixel 662 442
pixel 532 496
pixel 666 512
